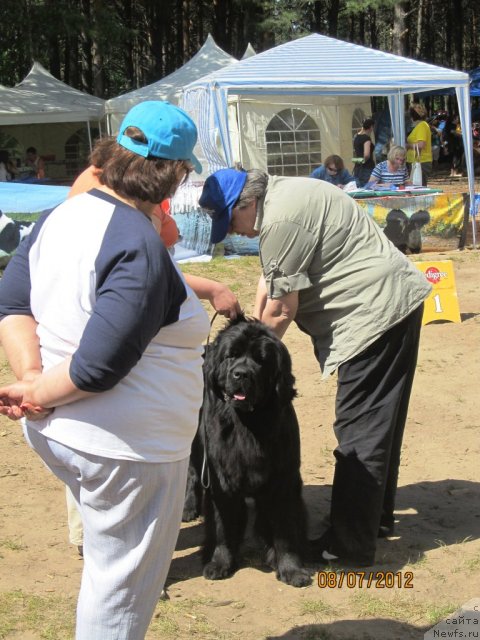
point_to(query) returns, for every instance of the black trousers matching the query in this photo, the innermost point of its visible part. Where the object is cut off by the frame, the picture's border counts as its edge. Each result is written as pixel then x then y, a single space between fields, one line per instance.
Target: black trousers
pixel 371 410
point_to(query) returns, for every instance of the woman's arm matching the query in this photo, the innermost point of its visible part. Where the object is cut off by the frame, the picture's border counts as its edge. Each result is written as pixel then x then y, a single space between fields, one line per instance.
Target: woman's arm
pixel 41 169
pixel 50 389
pixel 222 299
pixel 421 144
pixel 366 150
pixel 20 343
pixel 34 391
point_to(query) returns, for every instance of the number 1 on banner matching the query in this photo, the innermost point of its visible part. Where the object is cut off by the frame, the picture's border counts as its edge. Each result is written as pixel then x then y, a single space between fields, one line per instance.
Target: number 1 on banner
pixel 438 306
pixel 442 303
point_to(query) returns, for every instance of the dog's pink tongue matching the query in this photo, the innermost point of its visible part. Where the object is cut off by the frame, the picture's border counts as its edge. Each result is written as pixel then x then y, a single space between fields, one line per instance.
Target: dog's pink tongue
pixel 239 396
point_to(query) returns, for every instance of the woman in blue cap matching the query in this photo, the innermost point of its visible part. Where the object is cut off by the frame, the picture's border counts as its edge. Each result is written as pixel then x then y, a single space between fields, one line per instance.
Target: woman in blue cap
pixel 328 267
pixel 105 337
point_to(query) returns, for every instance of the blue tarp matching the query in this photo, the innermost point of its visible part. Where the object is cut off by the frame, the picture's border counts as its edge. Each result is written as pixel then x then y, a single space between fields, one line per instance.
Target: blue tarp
pixel 17 197
pixel 474 81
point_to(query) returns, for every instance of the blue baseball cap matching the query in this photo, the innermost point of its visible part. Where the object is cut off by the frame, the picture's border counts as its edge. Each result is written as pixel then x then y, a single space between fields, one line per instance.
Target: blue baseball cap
pixel 170 132
pixel 220 193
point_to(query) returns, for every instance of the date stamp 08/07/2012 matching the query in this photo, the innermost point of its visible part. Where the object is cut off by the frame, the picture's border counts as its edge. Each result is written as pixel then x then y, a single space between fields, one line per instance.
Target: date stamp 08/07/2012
pixel 365 580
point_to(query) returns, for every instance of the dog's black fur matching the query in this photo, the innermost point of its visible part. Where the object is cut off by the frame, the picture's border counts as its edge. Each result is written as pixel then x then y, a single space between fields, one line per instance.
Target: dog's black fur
pixel 404 232
pixel 250 431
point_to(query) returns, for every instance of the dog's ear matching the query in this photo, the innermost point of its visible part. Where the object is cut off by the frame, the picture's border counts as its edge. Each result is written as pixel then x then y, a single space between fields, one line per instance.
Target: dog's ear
pixel 210 369
pixel 419 219
pixel 285 383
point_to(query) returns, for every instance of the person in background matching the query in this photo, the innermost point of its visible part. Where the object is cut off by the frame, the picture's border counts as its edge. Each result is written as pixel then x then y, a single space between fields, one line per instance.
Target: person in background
pixel 452 137
pixel 8 170
pixel 363 152
pixel 35 163
pixel 329 267
pixel 436 141
pixel 106 340
pixel 333 171
pixel 392 172
pixel 419 141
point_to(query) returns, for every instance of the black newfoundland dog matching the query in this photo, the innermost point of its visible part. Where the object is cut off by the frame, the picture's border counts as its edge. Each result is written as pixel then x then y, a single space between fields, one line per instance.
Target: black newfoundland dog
pixel 249 432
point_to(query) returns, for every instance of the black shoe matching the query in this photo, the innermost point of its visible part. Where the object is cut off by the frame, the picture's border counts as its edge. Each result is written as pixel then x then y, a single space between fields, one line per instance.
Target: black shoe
pixel 317 546
pixel 320 550
pixel 386 531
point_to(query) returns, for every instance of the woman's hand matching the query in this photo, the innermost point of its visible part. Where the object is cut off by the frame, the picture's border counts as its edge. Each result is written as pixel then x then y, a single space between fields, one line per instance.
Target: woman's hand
pixel 224 301
pixel 14 402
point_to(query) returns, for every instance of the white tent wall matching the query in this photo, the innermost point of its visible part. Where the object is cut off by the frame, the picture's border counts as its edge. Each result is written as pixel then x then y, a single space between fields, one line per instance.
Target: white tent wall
pixel 56 119
pixel 333 115
pixel 65 145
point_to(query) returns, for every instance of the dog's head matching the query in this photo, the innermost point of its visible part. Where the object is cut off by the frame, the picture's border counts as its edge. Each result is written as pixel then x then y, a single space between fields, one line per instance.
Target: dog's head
pixel 248 367
pixel 418 220
pixel 396 228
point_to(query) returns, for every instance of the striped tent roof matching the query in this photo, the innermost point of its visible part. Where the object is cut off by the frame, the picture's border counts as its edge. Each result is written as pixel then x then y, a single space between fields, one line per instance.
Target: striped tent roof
pixel 318 62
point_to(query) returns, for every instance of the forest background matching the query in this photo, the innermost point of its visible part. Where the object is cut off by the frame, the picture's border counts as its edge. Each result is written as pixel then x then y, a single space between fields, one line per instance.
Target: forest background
pixel 108 47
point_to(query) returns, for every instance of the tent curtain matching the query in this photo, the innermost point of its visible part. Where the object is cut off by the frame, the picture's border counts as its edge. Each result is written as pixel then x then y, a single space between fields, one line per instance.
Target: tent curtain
pixel 463 99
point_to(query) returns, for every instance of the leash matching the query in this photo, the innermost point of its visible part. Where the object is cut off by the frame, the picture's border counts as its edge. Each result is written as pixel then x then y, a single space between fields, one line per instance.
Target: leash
pixel 205 472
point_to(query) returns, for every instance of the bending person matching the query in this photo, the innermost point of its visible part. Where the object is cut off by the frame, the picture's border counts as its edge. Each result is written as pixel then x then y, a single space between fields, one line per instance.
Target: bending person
pixel 328 267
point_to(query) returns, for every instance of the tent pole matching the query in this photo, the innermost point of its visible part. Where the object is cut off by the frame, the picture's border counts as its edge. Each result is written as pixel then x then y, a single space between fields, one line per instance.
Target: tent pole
pixel 240 149
pixel 89 135
pixel 463 101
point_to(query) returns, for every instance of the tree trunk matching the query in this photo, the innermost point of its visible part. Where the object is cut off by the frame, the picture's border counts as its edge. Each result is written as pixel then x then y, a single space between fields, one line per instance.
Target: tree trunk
pixel 400 30
pixel 458 31
pixel 419 41
pixel 98 79
pixel 332 17
pixel 373 28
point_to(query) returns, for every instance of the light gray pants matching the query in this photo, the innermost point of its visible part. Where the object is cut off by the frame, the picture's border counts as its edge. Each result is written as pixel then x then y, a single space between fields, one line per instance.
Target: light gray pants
pixel 74 519
pixel 131 513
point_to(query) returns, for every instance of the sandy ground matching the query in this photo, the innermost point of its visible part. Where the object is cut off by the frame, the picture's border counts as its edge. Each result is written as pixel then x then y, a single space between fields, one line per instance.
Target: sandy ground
pixel 436 548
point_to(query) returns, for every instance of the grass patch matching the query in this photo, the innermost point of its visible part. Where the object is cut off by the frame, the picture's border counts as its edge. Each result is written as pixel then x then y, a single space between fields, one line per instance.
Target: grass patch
pixel 50 617
pixel 400 608
pixel 12 545
pixel 316 608
pixel 435 613
pixel 184 618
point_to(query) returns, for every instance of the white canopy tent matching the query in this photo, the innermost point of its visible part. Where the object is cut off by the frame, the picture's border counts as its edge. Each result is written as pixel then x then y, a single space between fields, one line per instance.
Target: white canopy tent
pixel 209 58
pixel 58 97
pixel 319 65
pixel 44 112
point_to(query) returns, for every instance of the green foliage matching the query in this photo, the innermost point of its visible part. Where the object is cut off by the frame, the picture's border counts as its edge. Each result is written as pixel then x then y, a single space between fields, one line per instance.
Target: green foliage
pixel 111 46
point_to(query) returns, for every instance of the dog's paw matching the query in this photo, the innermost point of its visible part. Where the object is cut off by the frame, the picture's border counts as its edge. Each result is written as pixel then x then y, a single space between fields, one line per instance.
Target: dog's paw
pixel 295 577
pixel 215 571
pixel 190 514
